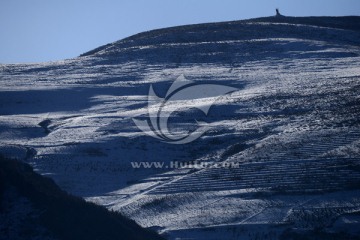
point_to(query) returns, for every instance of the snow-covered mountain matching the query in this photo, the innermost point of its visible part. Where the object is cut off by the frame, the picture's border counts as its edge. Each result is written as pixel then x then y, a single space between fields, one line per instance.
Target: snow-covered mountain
pixel 292 126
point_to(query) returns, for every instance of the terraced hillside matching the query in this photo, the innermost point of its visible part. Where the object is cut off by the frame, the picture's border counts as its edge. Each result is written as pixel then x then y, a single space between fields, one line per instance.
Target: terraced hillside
pixel 291 128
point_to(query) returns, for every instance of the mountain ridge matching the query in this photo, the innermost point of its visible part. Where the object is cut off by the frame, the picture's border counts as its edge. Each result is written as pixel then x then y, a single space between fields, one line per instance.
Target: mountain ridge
pixel 341 22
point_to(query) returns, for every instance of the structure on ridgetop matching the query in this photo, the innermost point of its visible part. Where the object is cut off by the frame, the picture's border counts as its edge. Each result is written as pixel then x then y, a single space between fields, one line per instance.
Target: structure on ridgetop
pixel 278 13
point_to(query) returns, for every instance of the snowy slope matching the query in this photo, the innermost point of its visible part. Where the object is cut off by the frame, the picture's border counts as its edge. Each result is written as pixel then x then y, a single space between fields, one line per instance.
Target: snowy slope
pixel 292 125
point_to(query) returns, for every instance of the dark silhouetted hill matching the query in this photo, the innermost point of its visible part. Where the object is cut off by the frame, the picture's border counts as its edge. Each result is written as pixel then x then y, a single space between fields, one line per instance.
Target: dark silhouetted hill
pixel 34 207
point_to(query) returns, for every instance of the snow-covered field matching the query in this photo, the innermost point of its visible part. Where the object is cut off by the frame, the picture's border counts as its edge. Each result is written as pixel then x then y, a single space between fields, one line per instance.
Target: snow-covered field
pixel 292 127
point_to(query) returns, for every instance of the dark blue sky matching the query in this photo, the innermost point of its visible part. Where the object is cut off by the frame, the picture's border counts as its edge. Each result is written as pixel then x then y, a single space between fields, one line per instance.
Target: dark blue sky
pixel 44 30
